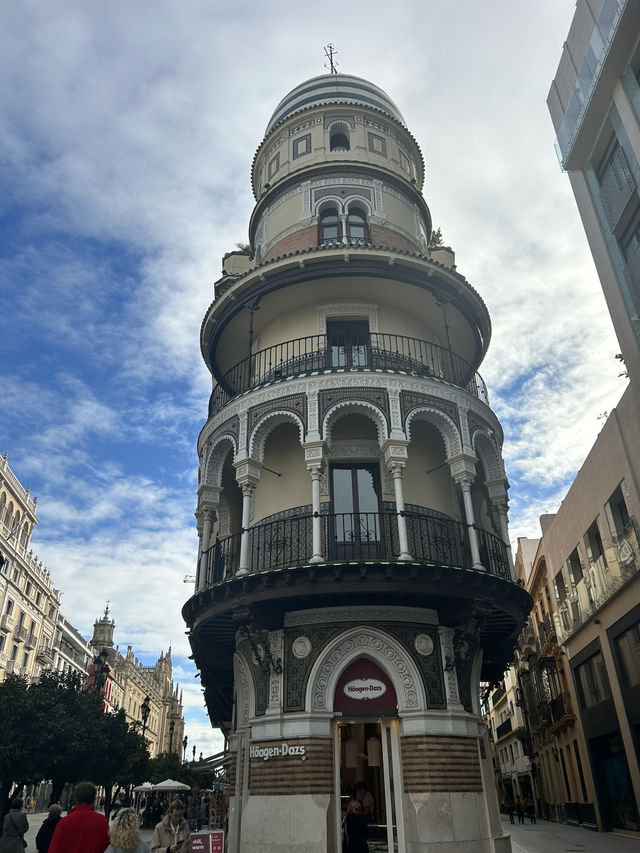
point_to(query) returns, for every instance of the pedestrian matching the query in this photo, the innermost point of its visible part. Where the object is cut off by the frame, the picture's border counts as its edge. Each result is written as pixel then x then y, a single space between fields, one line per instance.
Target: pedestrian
pixel 520 809
pixel 355 829
pixel 13 829
pixel 172 834
pixel 125 834
pixel 45 833
pixel 531 808
pixel 83 830
pixel 509 806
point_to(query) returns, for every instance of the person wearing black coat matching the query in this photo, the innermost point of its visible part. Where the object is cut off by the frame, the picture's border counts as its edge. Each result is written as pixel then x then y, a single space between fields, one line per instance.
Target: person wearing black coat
pixel 45 833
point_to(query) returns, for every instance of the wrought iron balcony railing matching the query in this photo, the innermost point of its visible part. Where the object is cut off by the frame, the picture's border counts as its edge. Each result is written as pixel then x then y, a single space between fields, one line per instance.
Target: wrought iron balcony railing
pixel 560 706
pixel 285 542
pixel 375 350
pixel 504 728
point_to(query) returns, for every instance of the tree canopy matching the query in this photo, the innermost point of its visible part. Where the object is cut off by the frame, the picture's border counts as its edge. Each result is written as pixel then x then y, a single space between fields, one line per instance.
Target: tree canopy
pixel 56 729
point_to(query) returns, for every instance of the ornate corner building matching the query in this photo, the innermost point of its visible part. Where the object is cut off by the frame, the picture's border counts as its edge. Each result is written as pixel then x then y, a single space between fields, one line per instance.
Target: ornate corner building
pixel 354 579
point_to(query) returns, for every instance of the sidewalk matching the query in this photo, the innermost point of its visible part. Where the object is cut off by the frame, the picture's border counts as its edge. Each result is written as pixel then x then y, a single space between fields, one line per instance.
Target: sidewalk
pixel 540 837
pixel 547 837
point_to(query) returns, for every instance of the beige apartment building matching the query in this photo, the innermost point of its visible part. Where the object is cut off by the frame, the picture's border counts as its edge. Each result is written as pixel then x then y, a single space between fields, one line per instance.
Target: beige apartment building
pixel 29 602
pixel 587 621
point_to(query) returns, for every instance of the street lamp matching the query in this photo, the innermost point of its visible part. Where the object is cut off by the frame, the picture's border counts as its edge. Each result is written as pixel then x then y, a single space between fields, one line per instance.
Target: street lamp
pixel 145 709
pixel 101 670
pixel 172 726
pixel 184 748
pixel 194 752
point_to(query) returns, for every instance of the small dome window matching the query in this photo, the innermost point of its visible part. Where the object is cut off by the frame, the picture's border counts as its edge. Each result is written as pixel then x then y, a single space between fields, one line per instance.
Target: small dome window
pixel 339 142
pixel 357 225
pixel 329 226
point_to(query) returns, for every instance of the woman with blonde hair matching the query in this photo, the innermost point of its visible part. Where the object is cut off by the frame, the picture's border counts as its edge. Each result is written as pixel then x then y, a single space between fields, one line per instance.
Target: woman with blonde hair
pixel 125 834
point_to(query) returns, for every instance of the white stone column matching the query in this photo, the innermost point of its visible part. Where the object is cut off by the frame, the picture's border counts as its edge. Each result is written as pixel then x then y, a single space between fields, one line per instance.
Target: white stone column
pixel 314 457
pixel 463 471
pixel 397 469
pixel 208 500
pixel 248 477
pixel 247 494
pixel 395 457
pixel 465 486
pixel 209 516
pixel 498 495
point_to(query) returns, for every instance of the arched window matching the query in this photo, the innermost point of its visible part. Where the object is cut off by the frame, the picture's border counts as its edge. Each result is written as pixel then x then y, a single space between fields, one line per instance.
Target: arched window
pixel 339 142
pixel 357 225
pixel 329 226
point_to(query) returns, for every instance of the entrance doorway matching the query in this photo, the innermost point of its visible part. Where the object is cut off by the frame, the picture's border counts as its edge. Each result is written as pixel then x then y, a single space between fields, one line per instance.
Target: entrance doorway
pixel 367 752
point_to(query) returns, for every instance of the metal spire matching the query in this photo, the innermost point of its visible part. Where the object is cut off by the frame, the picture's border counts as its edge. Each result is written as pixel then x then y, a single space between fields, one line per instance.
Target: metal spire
pixel 330 52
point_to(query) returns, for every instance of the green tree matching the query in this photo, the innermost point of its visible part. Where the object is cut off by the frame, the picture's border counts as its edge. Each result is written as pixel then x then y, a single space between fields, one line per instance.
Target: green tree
pixel 58 730
pixel 167 765
pixel 17 757
pixel 435 239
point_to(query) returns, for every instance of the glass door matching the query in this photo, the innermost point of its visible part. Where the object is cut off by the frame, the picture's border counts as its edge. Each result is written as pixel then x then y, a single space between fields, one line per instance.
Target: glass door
pixel 348 343
pixel 356 529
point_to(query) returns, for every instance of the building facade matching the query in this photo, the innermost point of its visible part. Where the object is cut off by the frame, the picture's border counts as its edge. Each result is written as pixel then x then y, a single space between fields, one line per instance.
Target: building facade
pixel 354 579
pixel 72 653
pixel 29 603
pixel 591 546
pixel 147 694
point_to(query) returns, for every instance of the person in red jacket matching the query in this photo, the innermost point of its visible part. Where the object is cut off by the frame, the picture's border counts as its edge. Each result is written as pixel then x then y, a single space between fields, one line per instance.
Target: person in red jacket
pixel 83 830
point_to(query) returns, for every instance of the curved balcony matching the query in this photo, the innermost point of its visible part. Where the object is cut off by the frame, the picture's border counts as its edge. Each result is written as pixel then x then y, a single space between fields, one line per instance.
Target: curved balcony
pixel 321 353
pixel 351 537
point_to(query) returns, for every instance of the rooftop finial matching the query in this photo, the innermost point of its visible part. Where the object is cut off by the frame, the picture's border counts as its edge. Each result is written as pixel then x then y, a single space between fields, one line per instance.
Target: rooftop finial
pixel 106 610
pixel 330 52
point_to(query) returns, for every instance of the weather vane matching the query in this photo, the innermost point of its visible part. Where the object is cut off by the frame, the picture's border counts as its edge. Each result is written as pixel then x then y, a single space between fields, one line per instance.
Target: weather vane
pixel 330 52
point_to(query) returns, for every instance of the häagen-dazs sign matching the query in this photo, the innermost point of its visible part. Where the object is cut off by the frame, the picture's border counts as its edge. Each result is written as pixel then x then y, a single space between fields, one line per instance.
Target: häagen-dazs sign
pixel 279 750
pixel 364 688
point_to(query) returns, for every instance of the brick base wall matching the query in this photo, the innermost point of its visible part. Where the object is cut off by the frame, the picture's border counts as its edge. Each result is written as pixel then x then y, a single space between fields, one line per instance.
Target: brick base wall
pixel 307 238
pixel 432 763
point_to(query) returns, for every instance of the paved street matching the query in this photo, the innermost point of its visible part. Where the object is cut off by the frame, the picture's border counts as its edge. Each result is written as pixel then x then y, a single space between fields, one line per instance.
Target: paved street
pixel 540 837
pixel 547 837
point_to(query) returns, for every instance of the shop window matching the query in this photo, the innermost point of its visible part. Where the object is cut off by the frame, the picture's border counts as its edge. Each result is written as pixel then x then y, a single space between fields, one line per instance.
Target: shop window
pixel 339 141
pixel 301 146
pixel 377 144
pixel 592 682
pixel 356 225
pixel 627 651
pixel 575 566
pixel 329 230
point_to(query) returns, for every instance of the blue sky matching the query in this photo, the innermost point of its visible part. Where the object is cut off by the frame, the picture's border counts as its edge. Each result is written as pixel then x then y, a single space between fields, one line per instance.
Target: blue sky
pixel 126 140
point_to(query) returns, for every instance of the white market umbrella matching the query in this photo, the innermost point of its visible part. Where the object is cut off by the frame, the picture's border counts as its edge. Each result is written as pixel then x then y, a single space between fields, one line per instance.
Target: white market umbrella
pixel 171 785
pixel 146 786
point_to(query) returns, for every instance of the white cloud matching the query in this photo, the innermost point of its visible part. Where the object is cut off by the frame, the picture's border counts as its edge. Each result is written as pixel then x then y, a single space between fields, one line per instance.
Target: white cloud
pixel 128 134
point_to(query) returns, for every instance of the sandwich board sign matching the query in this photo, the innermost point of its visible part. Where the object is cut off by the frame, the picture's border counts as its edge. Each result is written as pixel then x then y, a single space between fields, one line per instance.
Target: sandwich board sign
pixel 208 842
